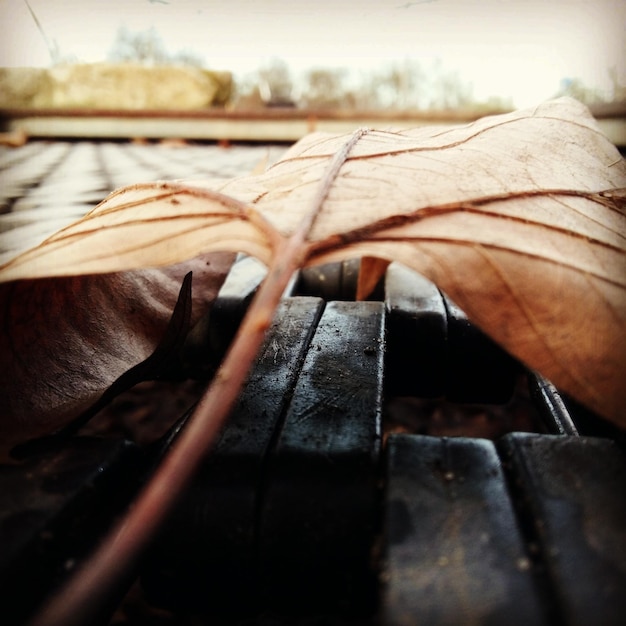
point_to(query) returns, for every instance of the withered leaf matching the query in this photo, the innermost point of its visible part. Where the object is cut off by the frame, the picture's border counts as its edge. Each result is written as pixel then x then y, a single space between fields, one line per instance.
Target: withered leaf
pixel 66 339
pixel 519 218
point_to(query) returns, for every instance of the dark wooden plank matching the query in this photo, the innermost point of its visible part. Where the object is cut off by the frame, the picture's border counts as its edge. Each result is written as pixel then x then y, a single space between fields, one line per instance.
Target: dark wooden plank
pixel 331 281
pixel 433 350
pixel 54 506
pixel 206 557
pixel 320 508
pixel 453 552
pixel 415 360
pixel 477 370
pixel 573 491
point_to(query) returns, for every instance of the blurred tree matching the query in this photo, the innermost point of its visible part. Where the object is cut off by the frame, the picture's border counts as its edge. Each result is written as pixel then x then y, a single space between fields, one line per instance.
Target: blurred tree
pixel 144 47
pixel 148 48
pixel 493 104
pixel 448 91
pixel 187 57
pixel 246 93
pixel 399 86
pixel 618 85
pixel 326 88
pixel 575 88
pixel 275 84
pixel 404 85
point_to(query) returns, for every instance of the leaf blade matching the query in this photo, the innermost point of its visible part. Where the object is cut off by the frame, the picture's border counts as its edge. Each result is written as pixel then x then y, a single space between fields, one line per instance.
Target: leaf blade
pixel 541 189
pixel 146 225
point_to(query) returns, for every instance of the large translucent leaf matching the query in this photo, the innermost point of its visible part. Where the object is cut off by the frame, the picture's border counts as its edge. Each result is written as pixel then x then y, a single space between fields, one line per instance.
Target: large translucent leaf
pixel 520 218
pixel 64 340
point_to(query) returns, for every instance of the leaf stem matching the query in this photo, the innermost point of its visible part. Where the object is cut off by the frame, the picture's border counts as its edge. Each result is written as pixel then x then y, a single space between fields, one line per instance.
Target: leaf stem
pixel 86 594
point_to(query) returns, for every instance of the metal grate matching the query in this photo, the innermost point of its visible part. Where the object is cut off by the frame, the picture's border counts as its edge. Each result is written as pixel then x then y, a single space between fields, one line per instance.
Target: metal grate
pixel 45 185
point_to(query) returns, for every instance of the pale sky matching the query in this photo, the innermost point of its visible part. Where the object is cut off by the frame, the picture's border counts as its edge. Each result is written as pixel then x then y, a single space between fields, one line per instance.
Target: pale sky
pixel 510 48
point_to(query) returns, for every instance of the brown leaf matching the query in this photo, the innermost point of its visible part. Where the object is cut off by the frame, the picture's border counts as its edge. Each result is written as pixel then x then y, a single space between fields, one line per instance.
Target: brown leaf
pixel 67 339
pixel 519 218
pixel 371 271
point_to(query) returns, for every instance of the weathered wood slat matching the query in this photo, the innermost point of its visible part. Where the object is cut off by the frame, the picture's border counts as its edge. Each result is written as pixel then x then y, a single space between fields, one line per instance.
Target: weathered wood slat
pixel 206 557
pixel 453 550
pixel 54 506
pixel 417 334
pixel 477 369
pixel 320 506
pixel 572 489
pixel 433 349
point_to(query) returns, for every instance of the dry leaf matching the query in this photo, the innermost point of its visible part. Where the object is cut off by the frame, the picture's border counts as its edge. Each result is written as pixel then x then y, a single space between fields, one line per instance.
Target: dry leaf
pixel 519 218
pixel 67 339
pixel 370 273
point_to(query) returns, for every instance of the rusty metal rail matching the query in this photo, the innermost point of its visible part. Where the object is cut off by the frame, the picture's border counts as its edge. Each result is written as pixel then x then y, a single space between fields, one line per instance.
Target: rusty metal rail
pixel 263 125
